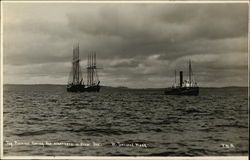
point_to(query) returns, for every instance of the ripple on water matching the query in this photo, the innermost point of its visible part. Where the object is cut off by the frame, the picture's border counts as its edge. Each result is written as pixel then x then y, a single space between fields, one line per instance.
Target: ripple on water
pixel 168 125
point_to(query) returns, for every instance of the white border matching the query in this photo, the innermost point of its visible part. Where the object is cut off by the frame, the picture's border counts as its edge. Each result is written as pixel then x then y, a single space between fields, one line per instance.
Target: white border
pixel 114 1
pixel 114 157
pixel 132 157
pixel 1 83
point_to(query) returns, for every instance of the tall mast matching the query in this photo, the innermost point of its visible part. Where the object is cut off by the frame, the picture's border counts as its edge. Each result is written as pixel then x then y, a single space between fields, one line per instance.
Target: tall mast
pixel 73 64
pixel 92 76
pixel 76 74
pixel 94 72
pixel 95 59
pixel 91 83
pixel 175 77
pixel 77 64
pixel 88 68
pixel 189 72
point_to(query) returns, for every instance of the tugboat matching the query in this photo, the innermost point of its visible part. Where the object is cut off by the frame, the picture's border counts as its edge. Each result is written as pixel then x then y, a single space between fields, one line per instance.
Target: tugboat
pixel 75 83
pixel 187 88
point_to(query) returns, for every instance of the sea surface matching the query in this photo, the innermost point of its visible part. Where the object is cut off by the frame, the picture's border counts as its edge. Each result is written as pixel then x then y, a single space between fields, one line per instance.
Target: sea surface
pixel 45 120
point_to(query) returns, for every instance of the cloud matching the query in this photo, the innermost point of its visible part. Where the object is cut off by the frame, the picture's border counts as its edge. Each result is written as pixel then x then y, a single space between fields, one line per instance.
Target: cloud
pixel 140 44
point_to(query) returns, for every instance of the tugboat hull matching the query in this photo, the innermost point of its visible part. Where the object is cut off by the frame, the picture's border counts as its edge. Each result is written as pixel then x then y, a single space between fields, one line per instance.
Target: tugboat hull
pixel 186 91
pixel 82 88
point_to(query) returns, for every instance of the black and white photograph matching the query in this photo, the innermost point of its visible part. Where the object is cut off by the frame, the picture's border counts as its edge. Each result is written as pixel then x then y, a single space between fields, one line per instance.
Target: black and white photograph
pixel 127 79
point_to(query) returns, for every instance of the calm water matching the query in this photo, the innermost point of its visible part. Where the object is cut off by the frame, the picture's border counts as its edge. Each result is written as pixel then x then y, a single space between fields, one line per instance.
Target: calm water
pixel 46 120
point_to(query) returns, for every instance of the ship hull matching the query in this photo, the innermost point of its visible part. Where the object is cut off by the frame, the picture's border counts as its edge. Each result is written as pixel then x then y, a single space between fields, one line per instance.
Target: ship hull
pixel 82 88
pixel 93 88
pixel 185 91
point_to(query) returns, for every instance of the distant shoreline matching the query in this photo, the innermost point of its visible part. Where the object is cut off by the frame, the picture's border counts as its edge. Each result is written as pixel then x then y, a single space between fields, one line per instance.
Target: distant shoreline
pixel 120 87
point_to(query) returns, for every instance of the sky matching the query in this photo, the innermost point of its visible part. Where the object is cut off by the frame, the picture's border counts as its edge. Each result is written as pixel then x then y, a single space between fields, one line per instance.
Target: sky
pixel 137 45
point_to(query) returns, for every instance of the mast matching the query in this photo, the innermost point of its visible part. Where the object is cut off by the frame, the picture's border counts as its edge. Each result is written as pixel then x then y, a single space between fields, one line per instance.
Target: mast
pixel 75 74
pixel 89 76
pixel 175 77
pixel 92 76
pixel 73 66
pixel 95 60
pixel 88 71
pixel 95 71
pixel 91 69
pixel 189 72
pixel 77 65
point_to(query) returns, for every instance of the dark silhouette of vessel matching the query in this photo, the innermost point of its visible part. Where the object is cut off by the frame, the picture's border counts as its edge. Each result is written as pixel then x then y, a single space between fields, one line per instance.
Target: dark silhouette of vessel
pixel 187 88
pixel 75 83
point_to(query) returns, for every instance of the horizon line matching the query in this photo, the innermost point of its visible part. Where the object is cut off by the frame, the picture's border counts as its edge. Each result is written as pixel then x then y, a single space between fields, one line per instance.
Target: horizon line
pixel 232 86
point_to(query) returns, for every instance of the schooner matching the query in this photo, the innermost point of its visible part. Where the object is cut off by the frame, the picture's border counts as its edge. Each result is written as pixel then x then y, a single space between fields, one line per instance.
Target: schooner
pixel 75 82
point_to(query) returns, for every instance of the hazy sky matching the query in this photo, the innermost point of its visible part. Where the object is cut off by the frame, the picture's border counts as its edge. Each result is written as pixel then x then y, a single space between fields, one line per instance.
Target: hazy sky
pixel 138 45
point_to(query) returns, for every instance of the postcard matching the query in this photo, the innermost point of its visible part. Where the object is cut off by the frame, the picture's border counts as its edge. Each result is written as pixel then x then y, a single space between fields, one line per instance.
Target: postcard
pixel 126 80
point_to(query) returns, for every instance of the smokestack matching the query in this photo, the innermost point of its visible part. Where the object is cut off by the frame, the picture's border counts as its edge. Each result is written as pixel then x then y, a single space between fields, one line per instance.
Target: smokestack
pixel 181 78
